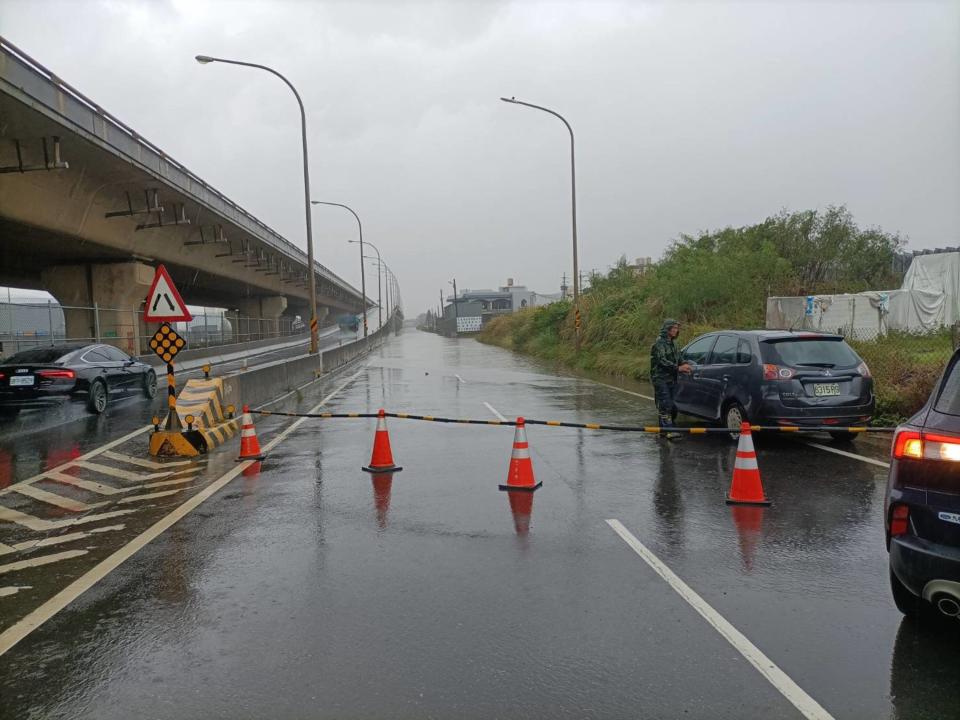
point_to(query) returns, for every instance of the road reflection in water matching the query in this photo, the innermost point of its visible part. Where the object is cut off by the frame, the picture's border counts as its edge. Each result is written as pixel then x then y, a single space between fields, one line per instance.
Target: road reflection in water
pixel 521 507
pixel 923 673
pixel 748 520
pixel 382 487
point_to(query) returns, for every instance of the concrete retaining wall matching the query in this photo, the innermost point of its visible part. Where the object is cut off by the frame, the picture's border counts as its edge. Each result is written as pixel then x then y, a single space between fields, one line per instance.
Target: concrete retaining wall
pixel 261 383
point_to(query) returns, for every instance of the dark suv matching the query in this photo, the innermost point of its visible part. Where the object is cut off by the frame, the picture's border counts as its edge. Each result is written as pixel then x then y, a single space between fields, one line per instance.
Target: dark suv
pixel 776 377
pixel 922 507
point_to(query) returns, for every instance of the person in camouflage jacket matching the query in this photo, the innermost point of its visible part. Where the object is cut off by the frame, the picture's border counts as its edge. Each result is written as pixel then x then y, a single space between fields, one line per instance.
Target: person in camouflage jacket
pixel 664 366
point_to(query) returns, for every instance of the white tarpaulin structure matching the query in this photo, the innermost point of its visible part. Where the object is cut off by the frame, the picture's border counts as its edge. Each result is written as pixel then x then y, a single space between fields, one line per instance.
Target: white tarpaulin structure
pixel 929 298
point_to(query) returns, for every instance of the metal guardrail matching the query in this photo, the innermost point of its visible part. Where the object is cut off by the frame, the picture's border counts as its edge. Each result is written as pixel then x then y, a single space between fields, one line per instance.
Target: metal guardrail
pixel 28 325
pixel 60 98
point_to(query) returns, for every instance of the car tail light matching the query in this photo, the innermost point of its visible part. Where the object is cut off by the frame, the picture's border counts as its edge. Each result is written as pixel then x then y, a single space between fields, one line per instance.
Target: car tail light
pixel 2 376
pixel 864 370
pixel 775 372
pixel 924 446
pixel 899 520
pixel 68 374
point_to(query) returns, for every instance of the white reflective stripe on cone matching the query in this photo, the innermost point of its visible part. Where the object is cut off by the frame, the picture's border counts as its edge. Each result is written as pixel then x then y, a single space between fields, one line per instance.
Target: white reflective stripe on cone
pixel 520 454
pixel 381 424
pixel 746 464
pixel 248 432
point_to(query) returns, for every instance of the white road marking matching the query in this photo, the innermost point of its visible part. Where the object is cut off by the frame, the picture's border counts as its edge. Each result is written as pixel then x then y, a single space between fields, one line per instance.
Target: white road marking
pixel 34 523
pixel 40 560
pixel 496 413
pixel 149 496
pixel 150 464
pixel 166 483
pixel 56 539
pixel 19 630
pixel 57 500
pixel 88 485
pixel 807 706
pixel 13 589
pixel 87 456
pixel 628 392
pixel 460 379
pixel 861 458
pixel 118 473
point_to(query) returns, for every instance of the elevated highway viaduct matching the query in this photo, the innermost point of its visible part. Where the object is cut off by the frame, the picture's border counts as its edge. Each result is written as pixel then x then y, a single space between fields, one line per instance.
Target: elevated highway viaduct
pixel 88 208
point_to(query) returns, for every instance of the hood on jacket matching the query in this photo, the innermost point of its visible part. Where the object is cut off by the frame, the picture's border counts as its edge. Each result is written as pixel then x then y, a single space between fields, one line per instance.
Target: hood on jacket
pixel 667 324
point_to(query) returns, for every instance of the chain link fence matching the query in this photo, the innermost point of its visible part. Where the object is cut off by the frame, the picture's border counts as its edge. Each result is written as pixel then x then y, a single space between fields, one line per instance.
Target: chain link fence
pixel 25 325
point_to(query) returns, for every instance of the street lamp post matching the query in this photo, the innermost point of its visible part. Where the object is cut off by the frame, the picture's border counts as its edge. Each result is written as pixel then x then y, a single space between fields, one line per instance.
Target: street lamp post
pixel 379 296
pixel 573 205
pixel 379 269
pixel 363 276
pixel 456 309
pixel 314 329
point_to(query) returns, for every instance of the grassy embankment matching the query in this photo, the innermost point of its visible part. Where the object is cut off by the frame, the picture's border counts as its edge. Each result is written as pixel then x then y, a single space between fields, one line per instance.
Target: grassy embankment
pixel 721 280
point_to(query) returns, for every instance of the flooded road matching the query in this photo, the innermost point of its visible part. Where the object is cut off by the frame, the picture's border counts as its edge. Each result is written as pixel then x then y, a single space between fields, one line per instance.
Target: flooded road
pixel 304 587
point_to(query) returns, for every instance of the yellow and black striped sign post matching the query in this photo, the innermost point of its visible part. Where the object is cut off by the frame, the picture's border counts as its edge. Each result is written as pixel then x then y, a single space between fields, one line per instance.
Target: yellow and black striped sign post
pixel 166 343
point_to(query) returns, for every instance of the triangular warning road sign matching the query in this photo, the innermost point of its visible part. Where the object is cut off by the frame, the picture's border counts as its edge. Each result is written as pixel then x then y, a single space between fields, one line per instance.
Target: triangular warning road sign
pixel 164 303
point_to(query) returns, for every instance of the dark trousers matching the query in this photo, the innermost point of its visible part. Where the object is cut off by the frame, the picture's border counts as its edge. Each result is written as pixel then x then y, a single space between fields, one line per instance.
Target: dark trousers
pixel 663 393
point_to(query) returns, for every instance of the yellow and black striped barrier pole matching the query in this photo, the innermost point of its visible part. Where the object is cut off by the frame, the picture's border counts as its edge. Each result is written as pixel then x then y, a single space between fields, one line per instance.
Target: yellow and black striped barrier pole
pixel 173 420
pixel 649 429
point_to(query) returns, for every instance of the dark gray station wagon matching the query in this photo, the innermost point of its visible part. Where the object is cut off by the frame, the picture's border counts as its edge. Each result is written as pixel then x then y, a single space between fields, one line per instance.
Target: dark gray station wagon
pixel 776 377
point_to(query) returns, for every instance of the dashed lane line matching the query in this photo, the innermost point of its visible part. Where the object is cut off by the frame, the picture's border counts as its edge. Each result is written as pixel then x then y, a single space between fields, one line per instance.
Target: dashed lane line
pixel 496 413
pixel 41 560
pixel 808 707
pixel 58 500
pixel 861 458
pixel 39 615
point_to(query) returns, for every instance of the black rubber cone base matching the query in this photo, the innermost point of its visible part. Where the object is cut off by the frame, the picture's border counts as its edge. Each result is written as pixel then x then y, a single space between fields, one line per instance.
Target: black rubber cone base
pixel 377 470
pixel 522 488
pixel 762 503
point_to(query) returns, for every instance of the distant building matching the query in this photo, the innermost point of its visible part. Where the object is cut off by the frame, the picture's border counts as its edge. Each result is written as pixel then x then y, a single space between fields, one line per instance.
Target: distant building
pixel 472 309
pixel 642 266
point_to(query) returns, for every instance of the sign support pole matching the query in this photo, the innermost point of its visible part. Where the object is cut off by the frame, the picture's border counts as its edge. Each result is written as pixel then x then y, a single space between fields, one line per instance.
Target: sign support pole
pixel 173 420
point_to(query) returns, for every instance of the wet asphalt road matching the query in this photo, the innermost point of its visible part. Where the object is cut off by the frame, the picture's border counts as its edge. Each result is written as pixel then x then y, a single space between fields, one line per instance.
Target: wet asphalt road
pixel 309 589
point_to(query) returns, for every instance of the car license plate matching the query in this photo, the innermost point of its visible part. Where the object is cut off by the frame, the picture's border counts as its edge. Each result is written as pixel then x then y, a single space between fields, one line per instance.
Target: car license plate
pixel 21 380
pixel 825 389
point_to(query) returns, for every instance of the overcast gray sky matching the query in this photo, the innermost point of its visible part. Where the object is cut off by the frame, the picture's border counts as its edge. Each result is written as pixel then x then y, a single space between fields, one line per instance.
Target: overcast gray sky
pixel 688 116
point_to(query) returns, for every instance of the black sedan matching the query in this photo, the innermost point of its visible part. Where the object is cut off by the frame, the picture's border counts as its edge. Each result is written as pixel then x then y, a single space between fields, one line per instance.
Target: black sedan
pixel 46 376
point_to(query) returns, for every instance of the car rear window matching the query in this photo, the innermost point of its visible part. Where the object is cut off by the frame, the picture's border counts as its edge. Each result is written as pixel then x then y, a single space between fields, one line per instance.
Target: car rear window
pixel 40 355
pixel 810 352
pixel 949 400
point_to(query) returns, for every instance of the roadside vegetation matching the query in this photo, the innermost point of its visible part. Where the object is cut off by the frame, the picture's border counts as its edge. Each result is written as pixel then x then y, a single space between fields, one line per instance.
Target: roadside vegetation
pixel 721 279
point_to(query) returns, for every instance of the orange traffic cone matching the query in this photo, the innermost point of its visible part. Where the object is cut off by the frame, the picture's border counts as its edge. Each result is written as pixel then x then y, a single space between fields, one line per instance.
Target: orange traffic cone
pixel 382 459
pixel 520 474
pixel 249 445
pixel 746 488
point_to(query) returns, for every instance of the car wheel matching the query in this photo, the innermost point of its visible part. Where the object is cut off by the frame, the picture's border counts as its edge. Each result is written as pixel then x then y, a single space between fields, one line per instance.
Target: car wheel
pixel 150 384
pixel 733 417
pixel 97 398
pixel 843 435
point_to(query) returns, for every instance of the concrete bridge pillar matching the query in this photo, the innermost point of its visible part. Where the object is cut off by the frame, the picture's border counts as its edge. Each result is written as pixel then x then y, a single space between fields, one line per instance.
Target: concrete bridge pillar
pixel 102 302
pixel 259 317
